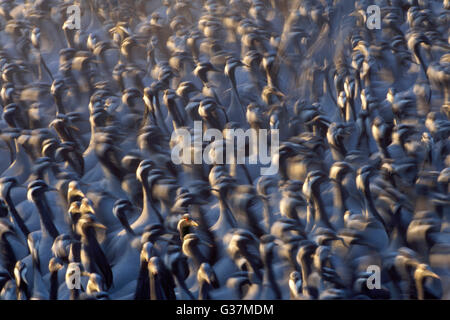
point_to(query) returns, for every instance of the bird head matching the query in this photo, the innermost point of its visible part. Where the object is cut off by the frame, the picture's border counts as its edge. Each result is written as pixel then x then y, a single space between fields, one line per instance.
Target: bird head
pixel 252 58
pixel 202 68
pixel 143 170
pixel 339 170
pixel 86 206
pixel 129 95
pixel 207 107
pixel 36 189
pixel 20 271
pixel 186 87
pixel 64 149
pixel 423 270
pixel 206 274
pixel 264 184
pixel 312 183
pixel 6 184
pixel 153 233
pixel 49 147
pixel 127 45
pixel 155 265
pixel 169 96
pixel 184 199
pixel 3 209
pixel 220 182
pixel 295 276
pixel 120 209
pixel 305 251
pixel 147 251
pixel 88 223
pixel 54 265
pixel 41 164
pixel 403 131
pixel 271 94
pixel 61 247
pixel 95 284
pixel 10 114
pixel 363 175
pixel 74 191
pixel 185 224
pixel 231 65
pixel 267 246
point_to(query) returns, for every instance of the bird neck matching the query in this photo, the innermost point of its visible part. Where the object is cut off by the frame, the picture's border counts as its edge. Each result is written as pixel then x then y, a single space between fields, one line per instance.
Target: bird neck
pixel 127 227
pixel 15 215
pixel 184 230
pixel 422 62
pixel 271 81
pixel 175 114
pixel 21 154
pixel 256 77
pixel 225 213
pixel 89 238
pixel 310 213
pixel 60 109
pixel 74 294
pixel 113 173
pixel 196 255
pixel 75 251
pixel 320 213
pixel 47 226
pixel 54 285
pixel 142 286
pixel 371 210
pixel 350 110
pixel 150 214
pixel 305 266
pixel 22 291
pixel 156 292
pixel 267 213
pixel 37 278
pixel 338 199
pixel 338 151
pixel 69 34
pixel 420 288
pixel 159 115
pixel 269 277
pixel 179 281
pixel 203 290
pixel 91 147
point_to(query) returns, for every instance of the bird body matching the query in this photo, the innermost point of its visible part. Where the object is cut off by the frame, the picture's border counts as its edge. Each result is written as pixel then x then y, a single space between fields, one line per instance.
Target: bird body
pixel 354 122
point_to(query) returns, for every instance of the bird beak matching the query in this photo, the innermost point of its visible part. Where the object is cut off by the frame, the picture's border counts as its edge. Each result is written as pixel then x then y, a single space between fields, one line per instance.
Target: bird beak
pixel 74 128
pixel 22 274
pixel 85 274
pixel 280 94
pixel 278 242
pixel 88 208
pixel 193 223
pixel 98 225
pixel 429 273
pixel 206 243
pixel 214 69
pixel 170 241
pixel 276 125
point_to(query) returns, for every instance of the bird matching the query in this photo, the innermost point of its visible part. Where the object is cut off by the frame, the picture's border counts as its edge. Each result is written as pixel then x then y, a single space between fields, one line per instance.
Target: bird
pixel 207 280
pixel 92 256
pixel 354 123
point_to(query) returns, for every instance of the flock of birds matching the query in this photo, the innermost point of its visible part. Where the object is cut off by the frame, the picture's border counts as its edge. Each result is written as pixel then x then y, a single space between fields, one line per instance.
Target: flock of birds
pixel 86 177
